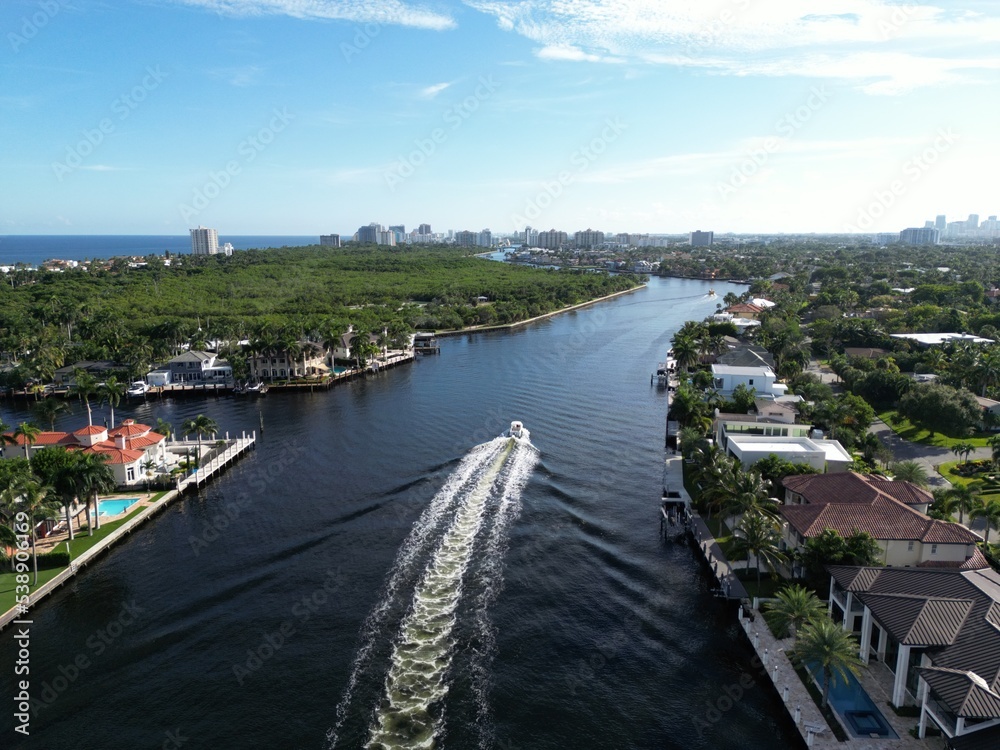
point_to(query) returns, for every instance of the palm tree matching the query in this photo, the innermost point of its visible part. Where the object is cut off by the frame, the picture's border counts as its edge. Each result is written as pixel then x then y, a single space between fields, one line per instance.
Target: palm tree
pixel 84 386
pixel 92 475
pixel 795 606
pixel 28 433
pixel 748 491
pixel 989 510
pixel 685 352
pixel 64 487
pixel 910 471
pixel 49 409
pixel 112 392
pixel 690 438
pixel 963 448
pixel 965 499
pixel 825 644
pixel 34 500
pixel 200 426
pixel 147 467
pixel 756 534
pixel 944 505
pixel 163 427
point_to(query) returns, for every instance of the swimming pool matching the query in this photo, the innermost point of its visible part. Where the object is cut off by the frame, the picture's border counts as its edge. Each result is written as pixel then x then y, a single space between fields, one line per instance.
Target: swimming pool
pixel 119 505
pixel 859 714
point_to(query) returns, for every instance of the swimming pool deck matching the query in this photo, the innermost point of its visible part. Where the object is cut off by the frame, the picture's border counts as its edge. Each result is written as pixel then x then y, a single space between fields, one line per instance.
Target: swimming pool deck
pixel 773 653
pixel 236 448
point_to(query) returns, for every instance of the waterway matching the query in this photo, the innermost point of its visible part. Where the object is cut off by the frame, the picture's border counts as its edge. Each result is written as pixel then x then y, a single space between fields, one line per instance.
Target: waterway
pixel 383 570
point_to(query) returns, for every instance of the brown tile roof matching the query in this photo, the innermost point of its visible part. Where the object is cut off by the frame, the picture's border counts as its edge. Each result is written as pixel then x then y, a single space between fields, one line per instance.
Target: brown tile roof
pixel 964 692
pixel 919 621
pixel 884 518
pixel 849 486
pixel 744 307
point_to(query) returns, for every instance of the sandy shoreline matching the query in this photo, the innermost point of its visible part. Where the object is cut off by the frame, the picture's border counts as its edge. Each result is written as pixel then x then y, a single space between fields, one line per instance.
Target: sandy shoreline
pixel 518 324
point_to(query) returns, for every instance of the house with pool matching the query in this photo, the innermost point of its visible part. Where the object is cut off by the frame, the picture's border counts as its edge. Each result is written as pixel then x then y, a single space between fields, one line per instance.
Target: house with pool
pixel 126 447
pixel 935 633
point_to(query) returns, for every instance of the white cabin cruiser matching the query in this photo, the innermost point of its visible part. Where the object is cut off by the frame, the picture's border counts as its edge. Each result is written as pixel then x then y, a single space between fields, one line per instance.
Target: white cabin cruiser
pixel 517 431
pixel 138 388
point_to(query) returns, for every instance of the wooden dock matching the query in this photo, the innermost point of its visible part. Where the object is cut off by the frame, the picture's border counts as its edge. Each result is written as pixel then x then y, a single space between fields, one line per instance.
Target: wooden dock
pixel 730 586
pixel 234 449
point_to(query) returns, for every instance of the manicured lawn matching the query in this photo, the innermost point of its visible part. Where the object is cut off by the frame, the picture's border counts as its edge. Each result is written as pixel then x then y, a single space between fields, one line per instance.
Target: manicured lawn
pixel 768 586
pixel 77 547
pixel 915 434
pixel 947 470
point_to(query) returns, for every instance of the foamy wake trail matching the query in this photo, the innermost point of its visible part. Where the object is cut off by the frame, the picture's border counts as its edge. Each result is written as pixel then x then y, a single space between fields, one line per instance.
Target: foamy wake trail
pixel 470 467
pixel 418 673
pixel 519 468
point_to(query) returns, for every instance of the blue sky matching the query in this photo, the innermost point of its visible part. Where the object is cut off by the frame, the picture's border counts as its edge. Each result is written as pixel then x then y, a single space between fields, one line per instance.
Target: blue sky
pixel 310 116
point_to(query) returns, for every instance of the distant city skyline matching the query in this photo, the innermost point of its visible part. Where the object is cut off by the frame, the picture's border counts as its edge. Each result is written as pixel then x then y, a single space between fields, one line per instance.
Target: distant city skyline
pixel 646 117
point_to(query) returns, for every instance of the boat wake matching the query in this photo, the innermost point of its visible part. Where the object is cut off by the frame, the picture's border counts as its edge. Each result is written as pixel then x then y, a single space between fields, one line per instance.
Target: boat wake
pixel 466 522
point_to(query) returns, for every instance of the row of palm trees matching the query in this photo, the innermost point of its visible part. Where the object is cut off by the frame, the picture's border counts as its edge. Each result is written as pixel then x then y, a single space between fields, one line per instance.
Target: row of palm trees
pixel 819 641
pixel 741 494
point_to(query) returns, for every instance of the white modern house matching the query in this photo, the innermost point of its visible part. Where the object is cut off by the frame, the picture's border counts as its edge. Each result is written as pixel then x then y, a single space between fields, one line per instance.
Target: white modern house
pixel 826 456
pixel 762 379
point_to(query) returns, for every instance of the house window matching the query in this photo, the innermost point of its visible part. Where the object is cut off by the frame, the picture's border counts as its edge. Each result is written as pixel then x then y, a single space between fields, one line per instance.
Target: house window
pixel 282 372
pixel 750 381
pixel 274 373
pixel 909 546
pixel 130 474
pixel 933 549
pixel 274 361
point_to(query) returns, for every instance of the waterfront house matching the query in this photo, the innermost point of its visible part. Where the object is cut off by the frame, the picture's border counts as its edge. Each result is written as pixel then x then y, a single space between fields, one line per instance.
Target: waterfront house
pixel 280 363
pixel 197 367
pixel 936 631
pixel 99 369
pixel 745 310
pixel 126 447
pixel 343 350
pixel 891 512
pixel 727 378
pixel 820 455
pixel 746 355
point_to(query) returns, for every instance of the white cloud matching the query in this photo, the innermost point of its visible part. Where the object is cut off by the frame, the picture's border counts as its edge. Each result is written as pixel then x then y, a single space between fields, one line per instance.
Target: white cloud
pixel 430 92
pixel 241 77
pixel 884 47
pixel 392 12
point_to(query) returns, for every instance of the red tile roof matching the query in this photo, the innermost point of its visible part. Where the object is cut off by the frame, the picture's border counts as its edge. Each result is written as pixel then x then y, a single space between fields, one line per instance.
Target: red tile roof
pixel 90 430
pixel 116 455
pixel 129 428
pixel 44 438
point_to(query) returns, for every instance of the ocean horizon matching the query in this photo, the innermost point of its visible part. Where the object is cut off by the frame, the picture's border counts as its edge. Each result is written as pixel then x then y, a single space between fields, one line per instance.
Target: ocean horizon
pixel 37 248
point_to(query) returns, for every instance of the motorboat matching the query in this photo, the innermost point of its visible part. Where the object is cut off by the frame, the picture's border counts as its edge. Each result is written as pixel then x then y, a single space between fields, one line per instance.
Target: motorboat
pixel 137 388
pixel 517 431
pixel 250 389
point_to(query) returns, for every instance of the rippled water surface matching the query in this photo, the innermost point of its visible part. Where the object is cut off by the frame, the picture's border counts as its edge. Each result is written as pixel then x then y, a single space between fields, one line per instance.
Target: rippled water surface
pixel 383 570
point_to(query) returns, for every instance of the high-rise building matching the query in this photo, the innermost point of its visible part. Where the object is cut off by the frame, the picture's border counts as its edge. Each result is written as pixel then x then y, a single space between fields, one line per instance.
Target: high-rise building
pixel 329 240
pixel 940 222
pixel 588 238
pixel 919 236
pixel 701 239
pixel 973 221
pixel 928 224
pixel 465 239
pixel 227 249
pixel 424 229
pixel 399 232
pixel 484 238
pixel 552 239
pixel 204 241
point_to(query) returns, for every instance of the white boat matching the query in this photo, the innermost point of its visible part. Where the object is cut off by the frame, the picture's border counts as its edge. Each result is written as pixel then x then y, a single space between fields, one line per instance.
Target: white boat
pixel 517 431
pixel 138 388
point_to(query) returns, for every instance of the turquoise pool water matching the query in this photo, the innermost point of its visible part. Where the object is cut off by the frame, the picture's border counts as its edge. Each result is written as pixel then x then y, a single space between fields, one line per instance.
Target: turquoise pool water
pixel 859 713
pixel 114 507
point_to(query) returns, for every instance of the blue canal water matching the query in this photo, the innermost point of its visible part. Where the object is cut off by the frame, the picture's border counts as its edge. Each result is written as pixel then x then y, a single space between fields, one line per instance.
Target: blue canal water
pixel 275 608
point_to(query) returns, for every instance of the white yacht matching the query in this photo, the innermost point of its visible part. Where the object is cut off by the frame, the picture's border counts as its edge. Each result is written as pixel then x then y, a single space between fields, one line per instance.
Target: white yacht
pixel 517 431
pixel 138 388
